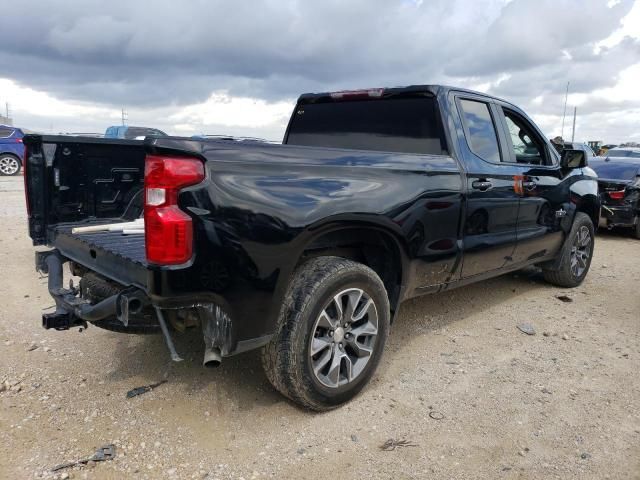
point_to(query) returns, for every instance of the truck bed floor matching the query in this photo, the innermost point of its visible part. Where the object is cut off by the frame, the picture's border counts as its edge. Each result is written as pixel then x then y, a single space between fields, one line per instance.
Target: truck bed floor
pixel 117 256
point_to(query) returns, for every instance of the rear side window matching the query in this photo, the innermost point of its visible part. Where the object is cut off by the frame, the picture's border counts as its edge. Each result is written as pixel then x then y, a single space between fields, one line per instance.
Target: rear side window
pixel 6 132
pixel 405 125
pixel 480 130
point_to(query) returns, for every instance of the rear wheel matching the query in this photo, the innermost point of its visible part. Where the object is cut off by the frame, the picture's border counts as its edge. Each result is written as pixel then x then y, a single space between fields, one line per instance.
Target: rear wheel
pixel 636 230
pixel 576 254
pixel 333 328
pixel 9 164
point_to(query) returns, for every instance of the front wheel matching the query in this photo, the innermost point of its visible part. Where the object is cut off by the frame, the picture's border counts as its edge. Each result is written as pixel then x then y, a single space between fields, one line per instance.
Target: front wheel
pixel 576 254
pixel 333 328
pixel 9 165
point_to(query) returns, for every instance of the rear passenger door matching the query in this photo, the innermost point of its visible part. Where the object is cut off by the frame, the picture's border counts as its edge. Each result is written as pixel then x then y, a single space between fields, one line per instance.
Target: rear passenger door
pixel 491 200
pixel 540 183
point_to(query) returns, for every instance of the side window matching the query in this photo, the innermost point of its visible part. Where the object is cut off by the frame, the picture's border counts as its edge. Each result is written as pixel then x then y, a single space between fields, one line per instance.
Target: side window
pixel 523 141
pixel 5 132
pixel 480 130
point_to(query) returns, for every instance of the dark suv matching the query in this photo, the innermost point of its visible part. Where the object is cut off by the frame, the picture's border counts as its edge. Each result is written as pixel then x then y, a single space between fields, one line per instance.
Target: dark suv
pixel 11 150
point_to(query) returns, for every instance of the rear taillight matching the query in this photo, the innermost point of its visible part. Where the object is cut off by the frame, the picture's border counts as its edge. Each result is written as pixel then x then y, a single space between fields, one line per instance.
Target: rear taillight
pixel 617 195
pixel 18 140
pixel 168 230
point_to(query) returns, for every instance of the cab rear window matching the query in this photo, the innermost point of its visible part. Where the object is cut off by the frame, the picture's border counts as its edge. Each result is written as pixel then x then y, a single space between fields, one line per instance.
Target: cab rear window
pixel 405 125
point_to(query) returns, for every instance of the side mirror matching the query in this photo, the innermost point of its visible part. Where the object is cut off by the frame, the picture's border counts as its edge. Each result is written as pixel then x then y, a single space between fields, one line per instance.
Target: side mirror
pixel 570 159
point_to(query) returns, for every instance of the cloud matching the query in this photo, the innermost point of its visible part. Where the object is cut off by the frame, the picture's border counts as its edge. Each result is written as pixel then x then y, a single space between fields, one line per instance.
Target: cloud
pixel 213 65
pixel 531 34
pixel 182 51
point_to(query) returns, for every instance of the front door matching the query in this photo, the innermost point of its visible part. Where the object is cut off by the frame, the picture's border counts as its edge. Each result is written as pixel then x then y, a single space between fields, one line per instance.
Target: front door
pixel 541 195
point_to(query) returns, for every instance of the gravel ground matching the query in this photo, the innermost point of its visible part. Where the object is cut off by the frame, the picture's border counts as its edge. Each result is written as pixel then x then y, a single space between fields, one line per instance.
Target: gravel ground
pixel 474 396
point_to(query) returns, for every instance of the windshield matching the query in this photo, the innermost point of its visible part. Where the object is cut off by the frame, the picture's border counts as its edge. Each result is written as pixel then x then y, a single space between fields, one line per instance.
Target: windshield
pixel 619 152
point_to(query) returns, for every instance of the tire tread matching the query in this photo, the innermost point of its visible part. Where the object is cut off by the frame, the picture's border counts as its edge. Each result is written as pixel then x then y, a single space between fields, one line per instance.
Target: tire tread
pixel 280 357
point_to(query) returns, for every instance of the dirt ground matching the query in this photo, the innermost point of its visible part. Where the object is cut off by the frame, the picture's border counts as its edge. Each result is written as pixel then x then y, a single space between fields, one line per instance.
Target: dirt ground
pixel 474 396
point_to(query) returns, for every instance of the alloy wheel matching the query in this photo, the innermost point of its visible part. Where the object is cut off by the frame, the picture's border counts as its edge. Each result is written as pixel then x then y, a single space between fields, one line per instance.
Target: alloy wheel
pixel 580 251
pixel 343 339
pixel 9 165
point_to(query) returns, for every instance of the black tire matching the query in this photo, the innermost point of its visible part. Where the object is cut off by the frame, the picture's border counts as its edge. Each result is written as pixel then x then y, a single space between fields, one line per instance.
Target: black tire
pixel 636 230
pixel 8 160
pixel 565 276
pixel 287 359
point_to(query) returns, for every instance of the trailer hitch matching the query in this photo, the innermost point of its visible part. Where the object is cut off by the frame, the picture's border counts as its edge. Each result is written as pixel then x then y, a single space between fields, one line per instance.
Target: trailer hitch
pixel 61 320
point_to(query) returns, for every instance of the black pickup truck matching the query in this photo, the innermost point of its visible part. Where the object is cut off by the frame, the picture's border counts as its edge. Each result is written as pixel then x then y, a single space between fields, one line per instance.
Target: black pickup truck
pixel 307 249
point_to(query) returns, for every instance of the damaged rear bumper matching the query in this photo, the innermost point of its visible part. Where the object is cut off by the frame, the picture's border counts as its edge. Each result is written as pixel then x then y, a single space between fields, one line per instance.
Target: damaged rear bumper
pixel 72 310
pixel 617 216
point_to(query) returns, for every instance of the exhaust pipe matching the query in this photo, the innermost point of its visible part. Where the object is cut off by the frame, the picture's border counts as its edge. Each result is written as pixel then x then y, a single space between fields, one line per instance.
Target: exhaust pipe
pixel 212 358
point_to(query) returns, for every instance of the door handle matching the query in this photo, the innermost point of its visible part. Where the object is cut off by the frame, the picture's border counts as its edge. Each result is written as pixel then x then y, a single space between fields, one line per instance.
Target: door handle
pixel 481 185
pixel 529 184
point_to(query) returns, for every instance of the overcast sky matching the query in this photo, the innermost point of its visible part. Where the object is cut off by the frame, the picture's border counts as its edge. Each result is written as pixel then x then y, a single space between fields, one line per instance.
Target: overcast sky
pixel 222 67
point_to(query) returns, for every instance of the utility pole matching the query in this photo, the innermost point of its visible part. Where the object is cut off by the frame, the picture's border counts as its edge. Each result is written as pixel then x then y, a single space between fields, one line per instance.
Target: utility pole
pixel 6 109
pixel 125 116
pixel 573 131
pixel 564 113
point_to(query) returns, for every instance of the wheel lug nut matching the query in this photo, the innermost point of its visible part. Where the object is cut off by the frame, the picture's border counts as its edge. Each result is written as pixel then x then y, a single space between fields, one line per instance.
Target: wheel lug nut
pixel 341 346
pixel 331 333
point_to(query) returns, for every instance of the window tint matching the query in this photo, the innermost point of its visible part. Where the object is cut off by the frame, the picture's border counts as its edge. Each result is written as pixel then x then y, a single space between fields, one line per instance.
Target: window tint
pixel 524 142
pixel 406 125
pixel 5 132
pixel 482 137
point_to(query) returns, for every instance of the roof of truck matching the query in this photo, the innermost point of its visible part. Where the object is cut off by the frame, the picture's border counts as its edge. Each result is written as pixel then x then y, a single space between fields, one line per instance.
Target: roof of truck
pixel 385 91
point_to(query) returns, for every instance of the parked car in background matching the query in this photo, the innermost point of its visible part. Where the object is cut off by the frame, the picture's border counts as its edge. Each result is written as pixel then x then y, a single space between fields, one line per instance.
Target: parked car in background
pixel 619 186
pixel 11 150
pixel 132 133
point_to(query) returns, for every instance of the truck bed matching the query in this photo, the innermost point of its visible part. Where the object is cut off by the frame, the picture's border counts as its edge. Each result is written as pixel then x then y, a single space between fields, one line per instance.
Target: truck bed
pixel 119 257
